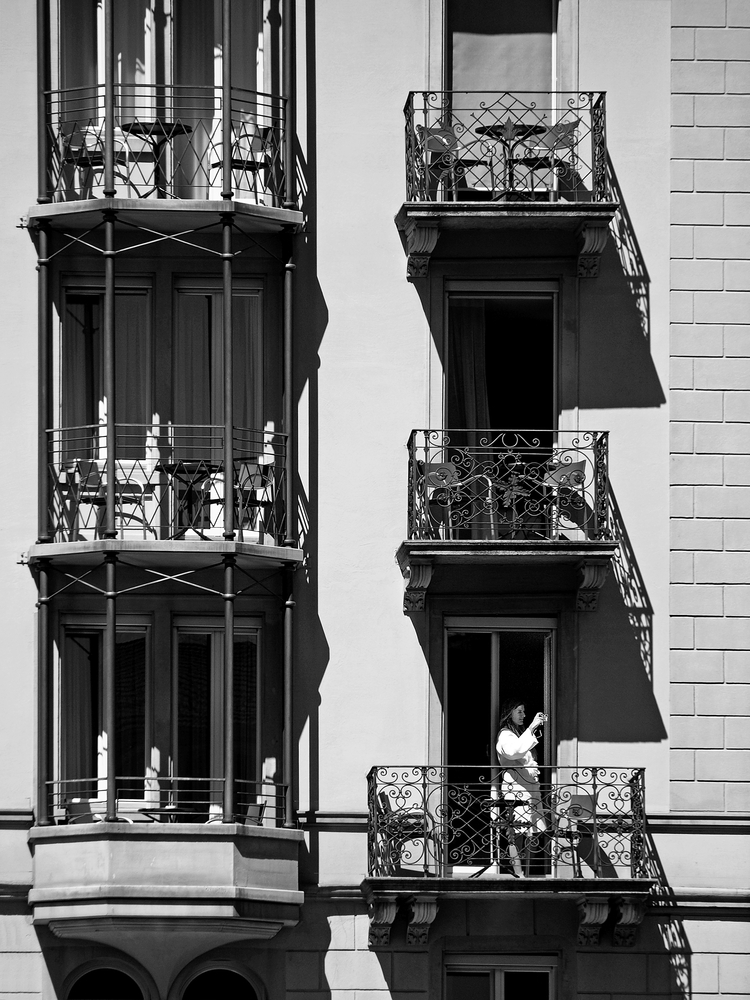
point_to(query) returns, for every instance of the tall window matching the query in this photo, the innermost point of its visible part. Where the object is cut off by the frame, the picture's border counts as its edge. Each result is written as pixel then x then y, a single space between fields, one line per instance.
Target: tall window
pixel 82 400
pixel 501 361
pixel 506 46
pixel 198 359
pixel 199 698
pixel 84 740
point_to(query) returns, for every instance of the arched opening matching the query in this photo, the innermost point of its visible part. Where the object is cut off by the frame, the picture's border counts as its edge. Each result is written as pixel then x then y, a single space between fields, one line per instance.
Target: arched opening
pixel 219 983
pixel 105 984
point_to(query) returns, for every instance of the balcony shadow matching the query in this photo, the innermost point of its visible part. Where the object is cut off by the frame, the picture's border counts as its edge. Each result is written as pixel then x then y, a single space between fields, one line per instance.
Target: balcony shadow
pixel 312 650
pixel 616 369
pixel 671 928
pixel 633 589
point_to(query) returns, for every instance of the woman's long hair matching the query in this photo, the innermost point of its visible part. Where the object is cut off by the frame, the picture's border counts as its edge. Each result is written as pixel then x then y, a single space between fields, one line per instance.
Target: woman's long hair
pixel 509 706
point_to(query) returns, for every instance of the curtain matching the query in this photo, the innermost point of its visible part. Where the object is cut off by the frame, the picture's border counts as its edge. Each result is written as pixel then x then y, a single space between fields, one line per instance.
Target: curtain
pixel 194 705
pixel 247 360
pixel 132 373
pixel 130 712
pixel 468 405
pixel 79 714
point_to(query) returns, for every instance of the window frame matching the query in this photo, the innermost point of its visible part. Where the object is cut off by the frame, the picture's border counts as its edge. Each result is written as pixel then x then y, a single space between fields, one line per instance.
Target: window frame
pixel 245 625
pixel 496 965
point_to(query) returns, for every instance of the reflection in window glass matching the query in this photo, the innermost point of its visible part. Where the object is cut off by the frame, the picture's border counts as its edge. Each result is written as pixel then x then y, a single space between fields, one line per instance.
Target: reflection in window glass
pixel 467 986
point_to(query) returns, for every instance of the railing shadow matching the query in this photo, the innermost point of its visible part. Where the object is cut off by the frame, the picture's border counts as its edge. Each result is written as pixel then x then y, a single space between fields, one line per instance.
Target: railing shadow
pixel 629 252
pixel 632 588
pixel 662 903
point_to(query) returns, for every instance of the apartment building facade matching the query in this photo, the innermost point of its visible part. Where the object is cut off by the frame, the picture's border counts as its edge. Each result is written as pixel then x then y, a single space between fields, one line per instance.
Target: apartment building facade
pixel 373 369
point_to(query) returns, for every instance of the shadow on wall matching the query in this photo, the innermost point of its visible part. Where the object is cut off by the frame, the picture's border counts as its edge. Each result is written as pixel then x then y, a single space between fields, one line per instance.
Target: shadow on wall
pixel 671 928
pixel 629 251
pixel 633 589
pixel 616 701
pixel 311 312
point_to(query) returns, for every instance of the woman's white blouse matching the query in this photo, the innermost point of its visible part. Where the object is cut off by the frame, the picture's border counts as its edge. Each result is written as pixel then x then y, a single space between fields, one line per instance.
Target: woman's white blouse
pixel 516 749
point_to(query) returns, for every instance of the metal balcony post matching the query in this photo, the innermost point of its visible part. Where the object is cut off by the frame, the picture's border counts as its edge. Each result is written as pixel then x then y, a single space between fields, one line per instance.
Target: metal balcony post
pixel 289 56
pixel 109 100
pixel 43 69
pixel 226 231
pixel 110 647
pixel 226 99
pixel 288 769
pixel 44 714
pixel 228 805
pixel 45 386
pixel 289 502
pixel 110 528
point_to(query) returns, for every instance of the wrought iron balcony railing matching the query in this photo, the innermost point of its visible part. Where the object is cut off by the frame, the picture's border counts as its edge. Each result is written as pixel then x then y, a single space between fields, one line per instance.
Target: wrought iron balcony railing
pixel 462 822
pixel 465 146
pixel 508 485
pixel 169 483
pixel 166 800
pixel 168 143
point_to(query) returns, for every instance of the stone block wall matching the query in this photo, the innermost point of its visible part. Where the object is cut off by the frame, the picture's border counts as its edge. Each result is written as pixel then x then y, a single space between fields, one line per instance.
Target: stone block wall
pixel 710 406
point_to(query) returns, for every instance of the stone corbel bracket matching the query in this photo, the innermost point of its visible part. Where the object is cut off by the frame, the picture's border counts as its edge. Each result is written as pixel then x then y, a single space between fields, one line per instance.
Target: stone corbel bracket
pixel 594 237
pixel 630 914
pixel 382 913
pixel 418 576
pixel 422 911
pixel 592 913
pixel 591 577
pixel 421 238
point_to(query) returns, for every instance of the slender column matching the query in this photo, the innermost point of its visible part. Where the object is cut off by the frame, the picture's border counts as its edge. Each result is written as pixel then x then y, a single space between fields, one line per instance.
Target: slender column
pixel 289 56
pixel 110 529
pixel 226 232
pixel 43 68
pixel 110 637
pixel 45 386
pixel 44 715
pixel 288 769
pixel 109 100
pixel 289 501
pixel 226 98
pixel 229 689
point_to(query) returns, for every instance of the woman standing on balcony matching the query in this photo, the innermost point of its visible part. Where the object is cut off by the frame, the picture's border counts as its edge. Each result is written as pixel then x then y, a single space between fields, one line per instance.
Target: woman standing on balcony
pixel 520 782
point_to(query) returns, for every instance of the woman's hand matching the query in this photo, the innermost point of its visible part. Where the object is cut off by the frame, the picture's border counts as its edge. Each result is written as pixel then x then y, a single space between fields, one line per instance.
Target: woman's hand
pixel 539 719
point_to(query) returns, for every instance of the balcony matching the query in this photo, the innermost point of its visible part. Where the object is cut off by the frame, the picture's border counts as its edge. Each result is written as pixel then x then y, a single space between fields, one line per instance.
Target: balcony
pixel 485 499
pixel 168 864
pixel 168 151
pixel 443 832
pixel 506 161
pixel 169 495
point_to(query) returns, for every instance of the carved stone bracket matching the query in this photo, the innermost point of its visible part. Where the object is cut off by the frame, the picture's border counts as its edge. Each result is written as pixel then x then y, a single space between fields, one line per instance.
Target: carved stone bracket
pixel 422 911
pixel 591 577
pixel 418 578
pixel 630 913
pixel 382 912
pixel 421 238
pixel 591 916
pixel 594 235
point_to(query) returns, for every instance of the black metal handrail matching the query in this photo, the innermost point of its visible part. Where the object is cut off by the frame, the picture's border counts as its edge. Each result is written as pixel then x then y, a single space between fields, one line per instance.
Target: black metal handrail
pixel 168 143
pixel 166 800
pixel 169 482
pixel 464 821
pixel 508 484
pixel 472 146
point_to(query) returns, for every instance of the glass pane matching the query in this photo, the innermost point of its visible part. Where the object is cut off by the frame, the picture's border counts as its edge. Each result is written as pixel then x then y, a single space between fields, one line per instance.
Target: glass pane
pixel 194 720
pixel 130 713
pixel 219 983
pixel 526 985
pixel 105 984
pixel 245 708
pixel 467 985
